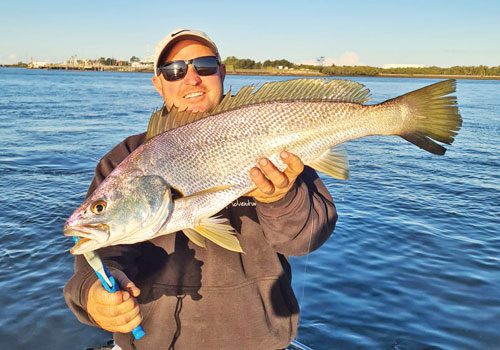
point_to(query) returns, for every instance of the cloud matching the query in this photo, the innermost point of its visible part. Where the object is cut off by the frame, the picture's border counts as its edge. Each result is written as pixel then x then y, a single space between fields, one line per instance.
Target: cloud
pixel 348 58
pixel 9 59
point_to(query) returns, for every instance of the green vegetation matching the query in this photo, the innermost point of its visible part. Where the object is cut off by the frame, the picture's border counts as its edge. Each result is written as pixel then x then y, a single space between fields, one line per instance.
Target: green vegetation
pixel 235 65
pixel 107 61
pixel 110 62
pixel 373 71
pixel 17 65
pixel 247 63
pixel 248 66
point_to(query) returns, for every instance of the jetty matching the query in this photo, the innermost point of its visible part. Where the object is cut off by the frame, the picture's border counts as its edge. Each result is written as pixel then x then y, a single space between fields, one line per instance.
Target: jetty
pixel 93 65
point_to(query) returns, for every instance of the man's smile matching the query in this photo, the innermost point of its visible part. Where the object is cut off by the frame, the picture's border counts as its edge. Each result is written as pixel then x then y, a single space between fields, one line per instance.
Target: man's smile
pixel 195 94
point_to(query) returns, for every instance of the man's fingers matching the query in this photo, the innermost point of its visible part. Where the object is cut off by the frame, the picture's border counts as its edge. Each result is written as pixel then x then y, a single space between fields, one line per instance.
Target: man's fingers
pixel 120 320
pixel 127 328
pixel 102 296
pixel 277 178
pixel 272 184
pixel 260 180
pixel 126 284
pixel 115 310
pixel 295 165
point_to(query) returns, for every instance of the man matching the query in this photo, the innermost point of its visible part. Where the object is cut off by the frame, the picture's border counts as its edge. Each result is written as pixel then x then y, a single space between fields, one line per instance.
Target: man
pixel 187 297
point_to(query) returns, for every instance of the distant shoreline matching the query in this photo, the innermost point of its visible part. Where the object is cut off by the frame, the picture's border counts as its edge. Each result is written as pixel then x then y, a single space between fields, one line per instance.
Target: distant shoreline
pixel 381 75
pixel 446 76
pixel 282 72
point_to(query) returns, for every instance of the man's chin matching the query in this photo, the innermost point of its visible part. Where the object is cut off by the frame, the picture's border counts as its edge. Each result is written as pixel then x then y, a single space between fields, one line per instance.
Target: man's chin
pixel 196 107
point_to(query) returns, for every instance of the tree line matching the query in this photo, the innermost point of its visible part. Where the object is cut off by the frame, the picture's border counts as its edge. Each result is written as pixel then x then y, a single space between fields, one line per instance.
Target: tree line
pixel 108 61
pixel 233 62
pixel 246 63
pixel 371 71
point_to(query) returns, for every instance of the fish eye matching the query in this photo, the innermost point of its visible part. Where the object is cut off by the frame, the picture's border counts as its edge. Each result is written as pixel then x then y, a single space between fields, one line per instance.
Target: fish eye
pixel 98 206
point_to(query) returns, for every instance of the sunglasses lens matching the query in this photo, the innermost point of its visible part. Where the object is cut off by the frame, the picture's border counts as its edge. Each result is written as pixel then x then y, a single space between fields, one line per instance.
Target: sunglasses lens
pixel 206 65
pixel 174 71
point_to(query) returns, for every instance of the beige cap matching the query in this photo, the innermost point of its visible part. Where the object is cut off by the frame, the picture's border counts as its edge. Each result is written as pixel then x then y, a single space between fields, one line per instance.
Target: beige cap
pixel 181 34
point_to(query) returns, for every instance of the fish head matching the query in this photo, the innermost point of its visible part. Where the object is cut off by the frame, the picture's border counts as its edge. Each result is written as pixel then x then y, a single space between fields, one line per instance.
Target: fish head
pixel 128 208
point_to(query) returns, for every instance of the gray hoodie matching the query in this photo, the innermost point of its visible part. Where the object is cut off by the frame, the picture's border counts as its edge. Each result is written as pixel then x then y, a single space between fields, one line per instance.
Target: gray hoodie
pixel 212 298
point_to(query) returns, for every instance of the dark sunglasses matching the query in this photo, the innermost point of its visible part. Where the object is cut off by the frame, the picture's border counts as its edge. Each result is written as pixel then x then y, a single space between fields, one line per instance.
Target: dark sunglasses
pixel 175 70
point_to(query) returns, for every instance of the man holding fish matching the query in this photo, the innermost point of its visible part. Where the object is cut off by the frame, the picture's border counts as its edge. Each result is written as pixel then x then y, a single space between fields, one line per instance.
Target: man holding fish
pixel 187 289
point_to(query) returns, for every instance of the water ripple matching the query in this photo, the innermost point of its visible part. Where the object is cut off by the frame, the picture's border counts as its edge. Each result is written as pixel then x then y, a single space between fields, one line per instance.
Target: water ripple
pixel 413 263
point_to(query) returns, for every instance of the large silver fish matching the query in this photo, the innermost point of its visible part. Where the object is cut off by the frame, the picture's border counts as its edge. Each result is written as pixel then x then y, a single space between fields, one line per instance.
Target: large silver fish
pixel 207 161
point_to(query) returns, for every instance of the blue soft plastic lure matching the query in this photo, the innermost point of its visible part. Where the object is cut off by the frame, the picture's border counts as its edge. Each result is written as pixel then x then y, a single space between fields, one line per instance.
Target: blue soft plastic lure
pixel 108 282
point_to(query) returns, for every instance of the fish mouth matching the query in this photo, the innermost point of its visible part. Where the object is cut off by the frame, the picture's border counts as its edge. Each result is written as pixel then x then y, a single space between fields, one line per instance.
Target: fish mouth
pixel 81 245
pixel 87 236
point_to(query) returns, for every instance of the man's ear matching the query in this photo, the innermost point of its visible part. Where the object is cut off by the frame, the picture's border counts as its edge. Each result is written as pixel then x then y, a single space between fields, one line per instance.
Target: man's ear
pixel 222 70
pixel 157 84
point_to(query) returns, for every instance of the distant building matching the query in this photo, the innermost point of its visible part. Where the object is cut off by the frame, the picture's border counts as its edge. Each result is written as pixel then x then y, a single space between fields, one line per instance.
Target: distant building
pixel 402 65
pixel 142 64
pixel 148 59
pixel 146 62
pixel 37 64
pixel 72 61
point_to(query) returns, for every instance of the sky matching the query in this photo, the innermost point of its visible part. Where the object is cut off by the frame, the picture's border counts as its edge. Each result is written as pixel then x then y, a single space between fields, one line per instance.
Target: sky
pixel 351 32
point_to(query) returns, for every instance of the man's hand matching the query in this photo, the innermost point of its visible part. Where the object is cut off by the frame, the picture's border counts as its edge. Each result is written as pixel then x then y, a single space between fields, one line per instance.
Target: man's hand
pixel 115 312
pixel 272 184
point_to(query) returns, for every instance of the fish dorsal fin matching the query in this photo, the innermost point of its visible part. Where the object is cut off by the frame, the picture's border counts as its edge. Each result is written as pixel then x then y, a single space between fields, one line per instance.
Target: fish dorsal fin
pixel 158 122
pixel 333 163
pixel 153 123
pixel 217 230
pixel 279 91
pixel 296 90
pixel 161 120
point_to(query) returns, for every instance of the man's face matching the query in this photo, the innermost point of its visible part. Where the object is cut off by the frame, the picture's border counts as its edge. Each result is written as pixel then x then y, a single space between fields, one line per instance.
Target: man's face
pixel 194 92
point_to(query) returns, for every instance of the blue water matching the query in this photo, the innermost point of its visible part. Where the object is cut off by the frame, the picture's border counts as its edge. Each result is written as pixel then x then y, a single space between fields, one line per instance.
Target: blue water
pixel 414 262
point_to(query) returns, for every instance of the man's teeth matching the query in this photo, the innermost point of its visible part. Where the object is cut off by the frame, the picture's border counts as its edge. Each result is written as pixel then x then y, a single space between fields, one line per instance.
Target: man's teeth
pixel 193 94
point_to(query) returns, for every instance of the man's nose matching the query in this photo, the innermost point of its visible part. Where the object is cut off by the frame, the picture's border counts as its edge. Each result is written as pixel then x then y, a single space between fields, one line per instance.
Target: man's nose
pixel 192 78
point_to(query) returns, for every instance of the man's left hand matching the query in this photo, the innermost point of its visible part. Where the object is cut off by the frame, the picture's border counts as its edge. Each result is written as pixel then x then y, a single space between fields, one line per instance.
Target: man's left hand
pixel 272 184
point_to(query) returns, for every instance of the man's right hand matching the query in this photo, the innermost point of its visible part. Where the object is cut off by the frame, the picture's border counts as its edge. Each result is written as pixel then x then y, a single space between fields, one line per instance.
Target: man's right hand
pixel 115 312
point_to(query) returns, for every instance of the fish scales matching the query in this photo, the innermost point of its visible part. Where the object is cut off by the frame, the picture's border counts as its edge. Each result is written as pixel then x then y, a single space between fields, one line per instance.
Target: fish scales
pixel 220 150
pixel 208 161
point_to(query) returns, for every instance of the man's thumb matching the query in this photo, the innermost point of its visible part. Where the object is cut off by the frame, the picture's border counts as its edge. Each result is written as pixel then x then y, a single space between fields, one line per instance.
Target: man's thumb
pixel 126 284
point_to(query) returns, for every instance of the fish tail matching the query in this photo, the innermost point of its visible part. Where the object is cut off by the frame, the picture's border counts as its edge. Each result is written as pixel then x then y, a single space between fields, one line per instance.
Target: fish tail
pixel 432 115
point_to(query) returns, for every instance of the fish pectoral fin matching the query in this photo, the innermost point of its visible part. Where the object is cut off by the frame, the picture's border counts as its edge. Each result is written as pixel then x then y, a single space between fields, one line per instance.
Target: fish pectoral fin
pixel 333 163
pixel 218 231
pixel 195 237
pixel 209 190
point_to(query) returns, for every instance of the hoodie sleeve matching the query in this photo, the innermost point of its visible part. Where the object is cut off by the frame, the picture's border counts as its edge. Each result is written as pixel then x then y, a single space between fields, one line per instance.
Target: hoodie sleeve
pixel 303 220
pixel 119 257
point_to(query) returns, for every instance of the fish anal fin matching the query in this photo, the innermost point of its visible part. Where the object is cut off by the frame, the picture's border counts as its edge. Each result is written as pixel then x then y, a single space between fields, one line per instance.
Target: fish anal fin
pixel 218 231
pixel 195 237
pixel 333 163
